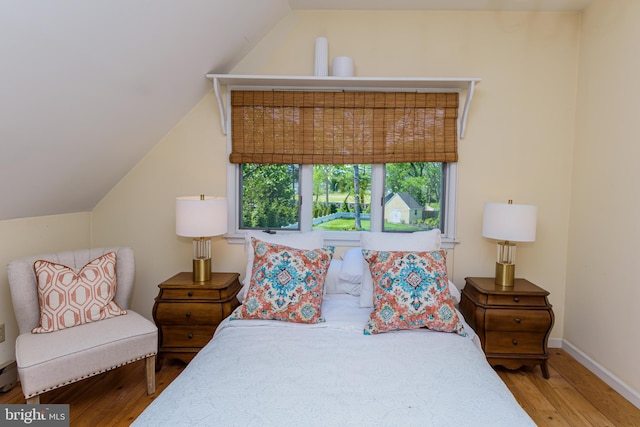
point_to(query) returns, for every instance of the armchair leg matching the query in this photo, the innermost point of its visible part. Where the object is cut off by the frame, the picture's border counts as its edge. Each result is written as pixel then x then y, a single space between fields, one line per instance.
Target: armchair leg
pixel 151 374
pixel 35 400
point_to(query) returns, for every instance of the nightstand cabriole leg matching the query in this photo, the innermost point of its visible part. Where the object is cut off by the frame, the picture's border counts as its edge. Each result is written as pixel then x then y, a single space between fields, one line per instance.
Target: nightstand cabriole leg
pixel 545 370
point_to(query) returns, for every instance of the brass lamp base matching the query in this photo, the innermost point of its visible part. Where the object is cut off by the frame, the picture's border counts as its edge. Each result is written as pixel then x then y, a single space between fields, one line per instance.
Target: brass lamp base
pixel 202 270
pixel 505 274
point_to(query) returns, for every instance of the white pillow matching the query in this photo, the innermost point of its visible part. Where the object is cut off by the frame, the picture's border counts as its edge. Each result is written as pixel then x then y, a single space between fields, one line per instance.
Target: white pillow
pixel 379 241
pixel 309 240
pixel 455 293
pixel 333 284
pixel 344 287
pixel 352 266
pixel 331 279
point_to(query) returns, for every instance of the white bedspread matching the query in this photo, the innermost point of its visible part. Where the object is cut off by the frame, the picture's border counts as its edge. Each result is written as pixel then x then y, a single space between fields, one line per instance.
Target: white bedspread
pixel 269 373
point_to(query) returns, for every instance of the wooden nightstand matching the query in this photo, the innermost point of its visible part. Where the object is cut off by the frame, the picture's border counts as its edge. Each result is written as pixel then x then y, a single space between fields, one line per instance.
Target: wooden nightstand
pixel 513 323
pixel 187 313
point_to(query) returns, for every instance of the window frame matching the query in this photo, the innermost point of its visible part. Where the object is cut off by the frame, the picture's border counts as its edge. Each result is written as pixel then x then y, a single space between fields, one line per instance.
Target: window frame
pixel 235 235
pixel 342 238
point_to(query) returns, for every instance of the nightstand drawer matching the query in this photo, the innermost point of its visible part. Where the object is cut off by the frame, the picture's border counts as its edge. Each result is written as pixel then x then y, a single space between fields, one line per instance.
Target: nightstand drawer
pixel 514 342
pixel 517 320
pixel 188 313
pixel 517 300
pixel 513 322
pixel 187 336
pixel 191 294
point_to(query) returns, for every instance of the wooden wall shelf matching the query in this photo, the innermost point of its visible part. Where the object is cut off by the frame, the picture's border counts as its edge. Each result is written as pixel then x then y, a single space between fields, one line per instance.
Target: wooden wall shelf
pixel 386 84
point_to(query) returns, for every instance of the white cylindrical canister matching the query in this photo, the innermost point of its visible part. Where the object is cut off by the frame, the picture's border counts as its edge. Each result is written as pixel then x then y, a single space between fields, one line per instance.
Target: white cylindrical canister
pixel 342 66
pixel 322 57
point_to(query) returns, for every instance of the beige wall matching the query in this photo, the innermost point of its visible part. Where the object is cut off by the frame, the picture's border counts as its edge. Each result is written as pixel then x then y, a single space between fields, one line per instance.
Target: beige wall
pixel 518 142
pixel 31 236
pixel 519 136
pixel 527 62
pixel 602 317
pixel 519 145
pixel 140 210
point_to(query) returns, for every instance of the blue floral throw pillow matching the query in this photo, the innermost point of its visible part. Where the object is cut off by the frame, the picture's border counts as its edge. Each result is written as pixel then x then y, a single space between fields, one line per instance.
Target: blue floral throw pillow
pixel 410 291
pixel 286 284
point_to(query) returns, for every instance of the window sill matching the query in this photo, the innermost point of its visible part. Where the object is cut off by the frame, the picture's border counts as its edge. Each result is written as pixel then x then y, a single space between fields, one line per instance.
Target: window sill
pixel 338 239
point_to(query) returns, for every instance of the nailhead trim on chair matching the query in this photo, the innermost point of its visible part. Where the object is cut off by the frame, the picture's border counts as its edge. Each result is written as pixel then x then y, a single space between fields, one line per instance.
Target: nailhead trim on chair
pixel 88 375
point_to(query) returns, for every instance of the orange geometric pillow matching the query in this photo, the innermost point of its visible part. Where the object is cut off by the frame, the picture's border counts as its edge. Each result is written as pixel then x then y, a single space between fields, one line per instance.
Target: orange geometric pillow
pixel 70 298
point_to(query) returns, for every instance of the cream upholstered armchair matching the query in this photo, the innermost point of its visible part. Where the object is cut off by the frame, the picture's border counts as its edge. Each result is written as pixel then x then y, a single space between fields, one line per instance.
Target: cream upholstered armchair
pixel 50 360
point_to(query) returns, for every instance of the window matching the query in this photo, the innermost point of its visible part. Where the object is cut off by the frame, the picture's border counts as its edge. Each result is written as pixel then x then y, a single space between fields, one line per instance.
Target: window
pixel 411 197
pixel 342 197
pixel 269 196
pixel 343 161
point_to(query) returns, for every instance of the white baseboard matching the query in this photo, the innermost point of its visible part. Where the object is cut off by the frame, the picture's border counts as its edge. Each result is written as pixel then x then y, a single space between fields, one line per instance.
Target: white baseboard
pixel 610 379
pixel 554 343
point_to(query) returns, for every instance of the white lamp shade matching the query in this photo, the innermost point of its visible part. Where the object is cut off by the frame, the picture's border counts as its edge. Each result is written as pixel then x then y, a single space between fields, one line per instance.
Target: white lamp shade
pixel 514 223
pixel 196 217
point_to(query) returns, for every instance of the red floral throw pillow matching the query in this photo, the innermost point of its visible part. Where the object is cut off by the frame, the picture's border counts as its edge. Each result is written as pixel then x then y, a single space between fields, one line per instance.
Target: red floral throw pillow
pixel 286 284
pixel 411 291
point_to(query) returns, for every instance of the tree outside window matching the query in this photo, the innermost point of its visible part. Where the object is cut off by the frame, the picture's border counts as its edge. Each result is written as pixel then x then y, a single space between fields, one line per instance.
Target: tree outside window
pixel 341 197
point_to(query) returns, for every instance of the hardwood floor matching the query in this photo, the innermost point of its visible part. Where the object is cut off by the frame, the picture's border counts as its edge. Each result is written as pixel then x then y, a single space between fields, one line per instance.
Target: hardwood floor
pixel 573 396
pixel 114 398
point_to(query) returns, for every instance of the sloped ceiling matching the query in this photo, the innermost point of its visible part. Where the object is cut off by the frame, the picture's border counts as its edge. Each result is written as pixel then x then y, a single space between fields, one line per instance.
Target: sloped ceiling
pixel 87 88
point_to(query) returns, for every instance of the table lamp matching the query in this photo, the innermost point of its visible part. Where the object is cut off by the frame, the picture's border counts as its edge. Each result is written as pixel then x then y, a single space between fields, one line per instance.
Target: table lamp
pixel 201 217
pixel 509 223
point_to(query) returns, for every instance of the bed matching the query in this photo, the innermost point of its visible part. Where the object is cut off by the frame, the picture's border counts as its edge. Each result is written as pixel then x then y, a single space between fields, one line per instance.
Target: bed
pixel 331 372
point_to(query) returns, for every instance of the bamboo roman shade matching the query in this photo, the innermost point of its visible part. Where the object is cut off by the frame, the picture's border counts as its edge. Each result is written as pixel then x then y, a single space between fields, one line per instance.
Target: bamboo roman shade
pixel 305 127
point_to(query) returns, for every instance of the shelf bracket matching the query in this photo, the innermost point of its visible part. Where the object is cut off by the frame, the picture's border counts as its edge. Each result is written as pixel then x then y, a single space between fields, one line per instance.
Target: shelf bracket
pixel 223 113
pixel 344 83
pixel 465 110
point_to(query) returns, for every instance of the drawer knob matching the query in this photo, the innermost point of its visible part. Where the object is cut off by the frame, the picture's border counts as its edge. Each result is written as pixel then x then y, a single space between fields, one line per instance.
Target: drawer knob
pixel 190 336
pixel 188 314
pixel 514 342
pixel 516 299
pixel 190 293
pixel 517 320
